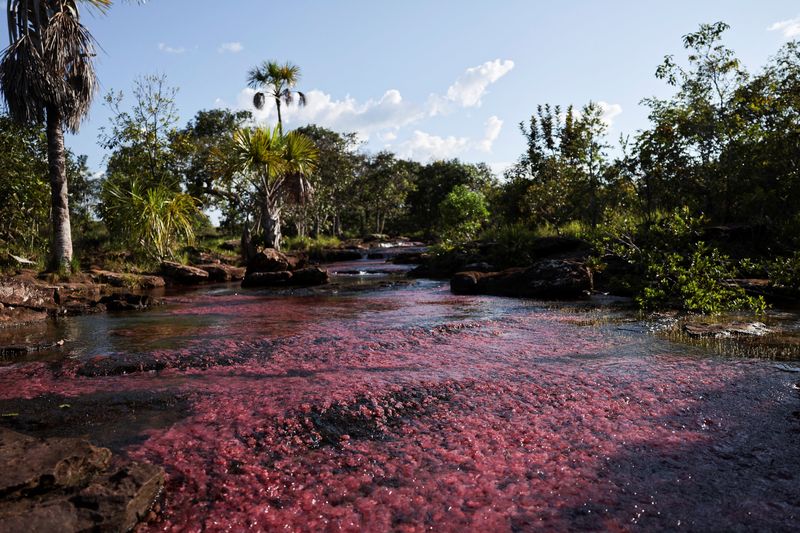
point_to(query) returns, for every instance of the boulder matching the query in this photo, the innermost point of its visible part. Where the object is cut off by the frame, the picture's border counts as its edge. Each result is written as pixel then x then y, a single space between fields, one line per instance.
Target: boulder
pixel 310 276
pixel 297 260
pixel 550 279
pixel 266 279
pixel 335 255
pixel 268 260
pixel 222 272
pixel 183 274
pixel 232 245
pixel 132 281
pixel 26 293
pixel 66 484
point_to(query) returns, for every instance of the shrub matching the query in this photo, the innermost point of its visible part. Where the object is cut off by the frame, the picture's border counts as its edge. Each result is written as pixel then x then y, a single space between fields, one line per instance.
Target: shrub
pixel 462 214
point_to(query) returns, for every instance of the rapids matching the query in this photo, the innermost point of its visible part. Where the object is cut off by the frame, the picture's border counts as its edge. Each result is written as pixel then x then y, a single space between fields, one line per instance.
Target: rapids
pixel 383 405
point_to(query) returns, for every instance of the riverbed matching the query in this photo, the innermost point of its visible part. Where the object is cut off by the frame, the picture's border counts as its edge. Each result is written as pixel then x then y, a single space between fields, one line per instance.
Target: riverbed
pixel 379 403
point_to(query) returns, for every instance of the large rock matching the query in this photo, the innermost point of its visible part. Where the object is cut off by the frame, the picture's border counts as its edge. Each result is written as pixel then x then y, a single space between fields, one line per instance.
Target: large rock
pixel 310 276
pixel 183 274
pixel 127 280
pixel 65 484
pixel 26 293
pixel 335 255
pixel 266 279
pixel 268 260
pixel 550 280
pixel 222 272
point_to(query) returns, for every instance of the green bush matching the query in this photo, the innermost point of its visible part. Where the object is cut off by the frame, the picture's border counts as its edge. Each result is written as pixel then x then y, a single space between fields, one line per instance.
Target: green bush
pixel 462 214
pixel 785 271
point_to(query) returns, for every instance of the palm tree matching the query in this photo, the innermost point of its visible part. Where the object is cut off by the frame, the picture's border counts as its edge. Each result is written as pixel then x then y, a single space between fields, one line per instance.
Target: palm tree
pixel 279 165
pixel 47 75
pixel 278 81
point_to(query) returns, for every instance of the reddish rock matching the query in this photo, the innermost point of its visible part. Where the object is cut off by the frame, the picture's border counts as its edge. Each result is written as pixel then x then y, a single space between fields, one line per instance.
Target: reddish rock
pixel 65 484
pixel 25 293
pixel 268 260
pixel 222 272
pixel 183 274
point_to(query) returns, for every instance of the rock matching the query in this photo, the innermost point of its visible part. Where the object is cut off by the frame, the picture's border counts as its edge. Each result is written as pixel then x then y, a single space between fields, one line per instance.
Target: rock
pixel 310 276
pixel 183 274
pixel 731 329
pixel 125 301
pixel 268 260
pixel 58 463
pixel 26 293
pixel 296 260
pixel 131 281
pixel 550 279
pixel 480 267
pixel 17 316
pixel 65 484
pixel 266 279
pixel 220 272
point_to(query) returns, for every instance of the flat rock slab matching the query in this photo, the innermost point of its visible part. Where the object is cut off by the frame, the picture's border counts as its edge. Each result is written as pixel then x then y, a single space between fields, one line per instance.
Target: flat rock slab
pixel 127 280
pixel 222 272
pixel 66 484
pixel 183 274
pixel 724 330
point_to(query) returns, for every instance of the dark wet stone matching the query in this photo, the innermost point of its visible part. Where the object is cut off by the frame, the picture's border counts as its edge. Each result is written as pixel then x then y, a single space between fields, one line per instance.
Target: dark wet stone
pixel 548 279
pixel 183 274
pixel 335 255
pixel 309 276
pixel 266 279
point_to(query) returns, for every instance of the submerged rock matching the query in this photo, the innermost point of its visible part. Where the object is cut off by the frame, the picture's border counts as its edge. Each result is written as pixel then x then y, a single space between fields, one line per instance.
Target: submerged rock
pixel 549 279
pixel 183 274
pixel 66 484
pixel 723 330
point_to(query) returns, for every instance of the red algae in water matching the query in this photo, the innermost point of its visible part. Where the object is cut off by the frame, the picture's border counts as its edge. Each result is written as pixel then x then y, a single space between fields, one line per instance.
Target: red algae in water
pixel 415 410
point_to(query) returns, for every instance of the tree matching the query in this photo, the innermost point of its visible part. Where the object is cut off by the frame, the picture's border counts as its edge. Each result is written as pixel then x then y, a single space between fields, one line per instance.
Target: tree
pixel 385 184
pixel 47 75
pixel 277 168
pixel 462 214
pixel 277 81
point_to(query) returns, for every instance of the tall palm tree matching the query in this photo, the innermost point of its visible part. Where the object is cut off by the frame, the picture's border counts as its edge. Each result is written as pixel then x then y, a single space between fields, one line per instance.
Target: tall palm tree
pixel 277 81
pixel 280 166
pixel 47 75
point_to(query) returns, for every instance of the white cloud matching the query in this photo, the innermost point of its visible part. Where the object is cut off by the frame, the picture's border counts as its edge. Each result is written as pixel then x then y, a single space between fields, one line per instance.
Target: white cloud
pixel 610 112
pixel 171 50
pixel 232 48
pixel 470 88
pixel 389 112
pixel 424 147
pixel 790 27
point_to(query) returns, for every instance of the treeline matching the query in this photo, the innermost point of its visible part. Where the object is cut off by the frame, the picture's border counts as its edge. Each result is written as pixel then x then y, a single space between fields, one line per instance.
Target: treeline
pixel 724 149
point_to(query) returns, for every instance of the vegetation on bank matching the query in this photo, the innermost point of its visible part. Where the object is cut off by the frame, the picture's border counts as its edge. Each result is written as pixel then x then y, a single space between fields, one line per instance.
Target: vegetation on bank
pixel 720 156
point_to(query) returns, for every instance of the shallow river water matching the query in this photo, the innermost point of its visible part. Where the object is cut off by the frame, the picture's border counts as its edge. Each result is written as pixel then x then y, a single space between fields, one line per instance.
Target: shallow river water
pixel 379 406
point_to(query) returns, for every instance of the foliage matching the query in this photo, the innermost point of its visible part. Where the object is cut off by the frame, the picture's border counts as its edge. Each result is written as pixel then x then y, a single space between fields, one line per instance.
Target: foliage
pixel 152 220
pixel 785 271
pixel 271 79
pixel 308 244
pixel 677 268
pixel 462 213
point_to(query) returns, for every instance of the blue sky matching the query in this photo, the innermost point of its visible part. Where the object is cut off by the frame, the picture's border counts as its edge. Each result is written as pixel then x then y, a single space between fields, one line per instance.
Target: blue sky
pixel 427 79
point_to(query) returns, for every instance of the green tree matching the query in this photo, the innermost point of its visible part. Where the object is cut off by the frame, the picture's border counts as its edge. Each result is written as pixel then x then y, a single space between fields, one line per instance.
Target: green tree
pixel 462 214
pixel 276 168
pixel 47 75
pixel 271 79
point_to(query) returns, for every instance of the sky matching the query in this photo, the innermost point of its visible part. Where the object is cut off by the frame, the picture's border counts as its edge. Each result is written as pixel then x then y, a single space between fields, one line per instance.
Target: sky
pixel 428 80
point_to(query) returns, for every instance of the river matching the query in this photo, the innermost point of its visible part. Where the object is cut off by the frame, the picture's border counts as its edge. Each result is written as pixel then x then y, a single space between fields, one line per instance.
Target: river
pixel 380 404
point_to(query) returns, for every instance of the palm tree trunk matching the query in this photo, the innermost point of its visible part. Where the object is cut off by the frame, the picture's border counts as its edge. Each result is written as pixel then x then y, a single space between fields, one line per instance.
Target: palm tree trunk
pixel 61 241
pixel 272 230
pixel 280 122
